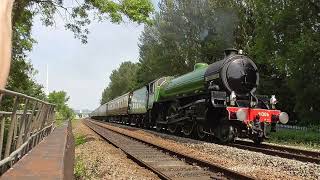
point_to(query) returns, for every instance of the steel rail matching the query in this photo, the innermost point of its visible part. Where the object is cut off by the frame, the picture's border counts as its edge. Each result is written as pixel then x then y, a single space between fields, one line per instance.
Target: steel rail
pixel 284 152
pixel 273 150
pixel 191 160
pixel 131 156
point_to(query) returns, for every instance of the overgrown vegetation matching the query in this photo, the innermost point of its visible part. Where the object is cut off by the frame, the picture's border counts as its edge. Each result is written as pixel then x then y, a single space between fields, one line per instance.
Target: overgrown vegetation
pixel 60 99
pixel 79 169
pixel 79 139
pixel 296 137
pixel 282 37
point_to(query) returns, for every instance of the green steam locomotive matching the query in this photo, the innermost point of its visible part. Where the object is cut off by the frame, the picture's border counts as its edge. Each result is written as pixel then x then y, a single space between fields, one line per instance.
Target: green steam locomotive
pixel 216 100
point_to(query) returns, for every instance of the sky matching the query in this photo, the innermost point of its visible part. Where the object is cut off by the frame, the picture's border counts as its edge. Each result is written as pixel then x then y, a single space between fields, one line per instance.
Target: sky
pixel 82 70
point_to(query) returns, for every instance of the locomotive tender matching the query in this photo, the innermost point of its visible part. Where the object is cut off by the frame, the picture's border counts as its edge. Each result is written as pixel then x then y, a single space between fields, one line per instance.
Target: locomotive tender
pixel 217 99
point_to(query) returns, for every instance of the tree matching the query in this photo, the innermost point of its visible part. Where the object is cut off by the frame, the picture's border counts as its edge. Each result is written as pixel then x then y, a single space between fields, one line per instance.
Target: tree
pixel 122 80
pixel 76 17
pixel 184 33
pixel 60 99
pixel 21 79
pixel 287 41
pixel 282 37
pixel 79 15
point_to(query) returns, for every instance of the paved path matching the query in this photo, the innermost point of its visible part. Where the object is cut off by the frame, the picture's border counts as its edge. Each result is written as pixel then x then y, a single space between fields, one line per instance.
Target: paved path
pixel 53 158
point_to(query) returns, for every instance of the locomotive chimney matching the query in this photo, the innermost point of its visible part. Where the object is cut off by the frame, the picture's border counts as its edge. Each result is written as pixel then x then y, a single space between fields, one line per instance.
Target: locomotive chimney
pixel 230 51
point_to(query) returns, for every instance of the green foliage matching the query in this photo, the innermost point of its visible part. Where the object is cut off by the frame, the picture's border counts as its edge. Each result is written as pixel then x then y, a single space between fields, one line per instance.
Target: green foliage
pixel 76 16
pixel 136 10
pixel 80 139
pixel 287 41
pixel 21 79
pixel 122 80
pixel 294 137
pixel 60 99
pixel 22 72
pixel 184 33
pixel 79 169
pixel 283 38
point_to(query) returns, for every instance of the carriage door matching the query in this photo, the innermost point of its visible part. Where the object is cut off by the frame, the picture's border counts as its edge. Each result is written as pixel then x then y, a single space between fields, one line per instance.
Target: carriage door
pixel 151 89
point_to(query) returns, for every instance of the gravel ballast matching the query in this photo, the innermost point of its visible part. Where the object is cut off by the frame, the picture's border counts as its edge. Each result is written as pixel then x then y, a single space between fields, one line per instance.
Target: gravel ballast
pixel 97 159
pixel 255 164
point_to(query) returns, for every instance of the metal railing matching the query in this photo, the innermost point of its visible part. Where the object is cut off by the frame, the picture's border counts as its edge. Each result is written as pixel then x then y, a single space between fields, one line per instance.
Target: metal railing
pixel 24 122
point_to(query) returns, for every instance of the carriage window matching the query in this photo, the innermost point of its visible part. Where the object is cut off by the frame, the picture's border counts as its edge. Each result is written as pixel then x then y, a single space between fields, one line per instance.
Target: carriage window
pixel 160 81
pixel 151 88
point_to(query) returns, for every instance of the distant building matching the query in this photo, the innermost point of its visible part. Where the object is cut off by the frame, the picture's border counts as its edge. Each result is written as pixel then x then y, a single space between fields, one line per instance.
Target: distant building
pixel 82 113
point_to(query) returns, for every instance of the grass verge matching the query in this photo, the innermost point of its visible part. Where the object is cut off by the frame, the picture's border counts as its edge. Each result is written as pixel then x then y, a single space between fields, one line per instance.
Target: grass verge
pixel 309 139
pixel 79 139
pixel 80 170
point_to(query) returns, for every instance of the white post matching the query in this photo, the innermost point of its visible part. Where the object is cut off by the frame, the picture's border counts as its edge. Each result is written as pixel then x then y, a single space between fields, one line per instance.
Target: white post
pixel 47 80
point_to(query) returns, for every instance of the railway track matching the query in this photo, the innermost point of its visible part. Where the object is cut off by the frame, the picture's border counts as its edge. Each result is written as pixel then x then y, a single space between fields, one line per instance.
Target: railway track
pixel 284 152
pixel 166 163
pixel 280 151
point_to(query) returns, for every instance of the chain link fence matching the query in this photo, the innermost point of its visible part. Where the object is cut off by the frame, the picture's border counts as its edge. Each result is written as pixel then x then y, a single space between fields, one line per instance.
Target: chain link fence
pixel 24 122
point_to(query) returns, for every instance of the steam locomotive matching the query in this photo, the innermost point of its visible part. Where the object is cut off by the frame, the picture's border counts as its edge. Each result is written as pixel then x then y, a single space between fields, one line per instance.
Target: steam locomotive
pixel 216 100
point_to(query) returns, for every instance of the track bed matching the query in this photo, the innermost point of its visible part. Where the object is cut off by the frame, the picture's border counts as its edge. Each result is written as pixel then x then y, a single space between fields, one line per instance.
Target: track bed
pixel 164 162
pixel 273 150
pixel 284 152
